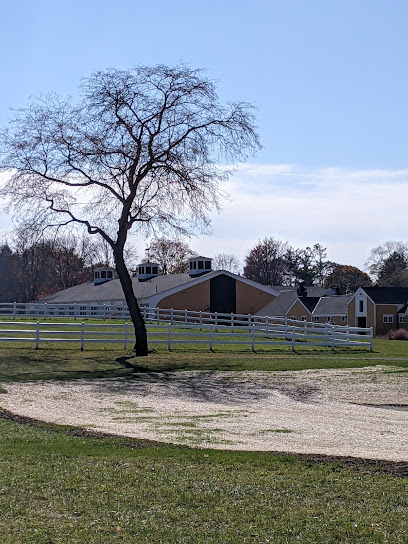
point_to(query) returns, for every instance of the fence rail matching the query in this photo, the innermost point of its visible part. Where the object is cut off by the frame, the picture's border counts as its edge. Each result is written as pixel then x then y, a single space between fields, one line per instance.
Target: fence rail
pixel 76 311
pixel 170 334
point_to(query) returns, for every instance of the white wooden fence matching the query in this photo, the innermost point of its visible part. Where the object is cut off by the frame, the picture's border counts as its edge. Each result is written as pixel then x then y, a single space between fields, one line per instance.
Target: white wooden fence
pixel 294 334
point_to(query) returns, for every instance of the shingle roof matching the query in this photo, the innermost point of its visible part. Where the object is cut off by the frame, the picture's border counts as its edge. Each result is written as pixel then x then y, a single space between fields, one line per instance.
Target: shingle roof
pixel 112 290
pixel 282 304
pixel 334 305
pixel 387 295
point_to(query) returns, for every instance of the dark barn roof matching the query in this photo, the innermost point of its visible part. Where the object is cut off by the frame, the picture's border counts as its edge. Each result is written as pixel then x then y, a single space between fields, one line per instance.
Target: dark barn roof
pixel 387 295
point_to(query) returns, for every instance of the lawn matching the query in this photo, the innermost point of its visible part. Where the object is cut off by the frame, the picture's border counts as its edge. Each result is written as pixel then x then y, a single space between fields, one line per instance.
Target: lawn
pixel 60 485
pixel 22 362
pixel 60 488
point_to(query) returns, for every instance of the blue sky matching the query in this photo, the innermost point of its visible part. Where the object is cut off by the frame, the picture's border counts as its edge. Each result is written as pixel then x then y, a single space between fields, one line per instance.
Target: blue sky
pixel 329 80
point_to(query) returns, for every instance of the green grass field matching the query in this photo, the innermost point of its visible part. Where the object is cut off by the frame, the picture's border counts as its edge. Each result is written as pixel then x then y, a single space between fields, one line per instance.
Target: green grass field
pixel 22 362
pixel 60 485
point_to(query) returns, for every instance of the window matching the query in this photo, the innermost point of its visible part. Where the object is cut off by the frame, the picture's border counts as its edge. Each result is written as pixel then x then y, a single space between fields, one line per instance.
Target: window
pixel 155 270
pixel 344 319
pixel 293 317
pixel 402 318
pixel 388 318
pixel 361 306
pixel 303 318
pixel 208 265
pixel 148 269
pixel 109 274
pixel 200 265
pixel 103 274
pixel 316 319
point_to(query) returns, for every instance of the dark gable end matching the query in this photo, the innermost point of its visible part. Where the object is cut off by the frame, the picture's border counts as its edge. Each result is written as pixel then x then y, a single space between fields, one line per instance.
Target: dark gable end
pixel 309 302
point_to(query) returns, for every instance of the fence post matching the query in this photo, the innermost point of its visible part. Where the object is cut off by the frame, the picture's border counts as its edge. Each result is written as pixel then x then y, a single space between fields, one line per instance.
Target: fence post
pixel 169 337
pixel 37 335
pixel 82 335
pixel 333 339
pixel 75 311
pixel 286 324
pixel 249 320
pixel 171 316
pixel 185 317
pixel 45 311
pixel 371 339
pixel 293 338
pixel 211 337
pixel 126 336
pixel 232 322
pixel 253 338
pixel 14 310
pixel 201 320
pixel 305 331
pixel 216 320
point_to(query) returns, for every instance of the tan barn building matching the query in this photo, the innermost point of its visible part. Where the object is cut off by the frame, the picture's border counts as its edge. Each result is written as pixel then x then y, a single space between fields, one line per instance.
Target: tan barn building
pixel 200 290
pixel 382 308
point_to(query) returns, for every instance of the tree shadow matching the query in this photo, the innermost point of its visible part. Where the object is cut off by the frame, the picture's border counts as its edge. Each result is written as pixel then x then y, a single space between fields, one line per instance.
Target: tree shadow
pixel 201 386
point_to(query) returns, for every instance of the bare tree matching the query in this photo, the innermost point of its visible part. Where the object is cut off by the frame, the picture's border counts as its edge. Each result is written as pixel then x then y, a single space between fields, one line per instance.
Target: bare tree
pixel 46 264
pixel 141 149
pixel 171 255
pixel 226 261
pixel 379 263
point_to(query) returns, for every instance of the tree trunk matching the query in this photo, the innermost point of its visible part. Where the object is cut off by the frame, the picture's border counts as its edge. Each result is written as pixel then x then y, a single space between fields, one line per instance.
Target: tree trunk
pixel 135 313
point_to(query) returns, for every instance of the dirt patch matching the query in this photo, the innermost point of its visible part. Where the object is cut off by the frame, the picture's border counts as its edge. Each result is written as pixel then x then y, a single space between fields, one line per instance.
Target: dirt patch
pixel 342 413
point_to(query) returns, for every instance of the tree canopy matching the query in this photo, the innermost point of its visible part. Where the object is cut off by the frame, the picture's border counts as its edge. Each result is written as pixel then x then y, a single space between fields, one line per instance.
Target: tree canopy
pixel 347 278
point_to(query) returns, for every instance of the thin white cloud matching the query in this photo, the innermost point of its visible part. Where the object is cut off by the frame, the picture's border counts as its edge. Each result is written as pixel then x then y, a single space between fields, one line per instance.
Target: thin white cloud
pixel 348 211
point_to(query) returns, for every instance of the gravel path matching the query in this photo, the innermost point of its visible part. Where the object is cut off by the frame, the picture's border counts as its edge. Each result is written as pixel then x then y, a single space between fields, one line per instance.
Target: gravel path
pixel 359 413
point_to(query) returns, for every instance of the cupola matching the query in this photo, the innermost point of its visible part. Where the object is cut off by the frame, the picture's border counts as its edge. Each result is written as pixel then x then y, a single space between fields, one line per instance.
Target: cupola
pixel 103 274
pixel 199 266
pixel 146 271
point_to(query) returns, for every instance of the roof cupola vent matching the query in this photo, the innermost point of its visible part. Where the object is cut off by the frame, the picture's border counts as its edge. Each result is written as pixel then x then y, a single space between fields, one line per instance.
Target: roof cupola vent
pixel 146 271
pixel 199 266
pixel 103 274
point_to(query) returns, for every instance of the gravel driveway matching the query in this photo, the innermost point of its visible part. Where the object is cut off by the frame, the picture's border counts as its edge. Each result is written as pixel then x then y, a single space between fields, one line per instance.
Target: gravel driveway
pixel 359 413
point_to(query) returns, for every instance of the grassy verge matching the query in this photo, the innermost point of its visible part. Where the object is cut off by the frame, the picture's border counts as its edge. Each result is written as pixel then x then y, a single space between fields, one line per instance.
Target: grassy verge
pixel 20 362
pixel 59 488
